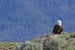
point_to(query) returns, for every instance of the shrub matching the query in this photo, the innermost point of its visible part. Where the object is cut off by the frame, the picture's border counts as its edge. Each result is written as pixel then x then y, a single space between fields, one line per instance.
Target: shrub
pixel 72 35
pixel 34 47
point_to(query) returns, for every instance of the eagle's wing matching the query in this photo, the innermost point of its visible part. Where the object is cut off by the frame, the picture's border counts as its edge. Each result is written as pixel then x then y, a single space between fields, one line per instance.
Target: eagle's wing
pixel 61 29
pixel 54 29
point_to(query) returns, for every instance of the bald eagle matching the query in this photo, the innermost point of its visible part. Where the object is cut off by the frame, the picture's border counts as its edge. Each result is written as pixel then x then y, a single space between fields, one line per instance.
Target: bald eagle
pixel 58 28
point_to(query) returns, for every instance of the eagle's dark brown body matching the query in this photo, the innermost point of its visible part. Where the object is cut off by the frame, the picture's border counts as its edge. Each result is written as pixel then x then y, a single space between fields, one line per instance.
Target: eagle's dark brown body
pixel 57 29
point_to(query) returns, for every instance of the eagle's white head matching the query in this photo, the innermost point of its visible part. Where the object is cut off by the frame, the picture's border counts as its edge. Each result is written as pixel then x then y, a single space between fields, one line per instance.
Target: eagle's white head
pixel 59 22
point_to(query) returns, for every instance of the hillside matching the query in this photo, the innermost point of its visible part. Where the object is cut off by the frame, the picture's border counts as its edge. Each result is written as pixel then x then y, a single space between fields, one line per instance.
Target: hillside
pixel 64 41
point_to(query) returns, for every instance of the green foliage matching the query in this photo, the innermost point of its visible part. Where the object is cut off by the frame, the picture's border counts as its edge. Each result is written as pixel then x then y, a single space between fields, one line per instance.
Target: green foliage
pixel 34 46
pixel 72 35
pixel 65 35
pixel 64 41
pixel 7 44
